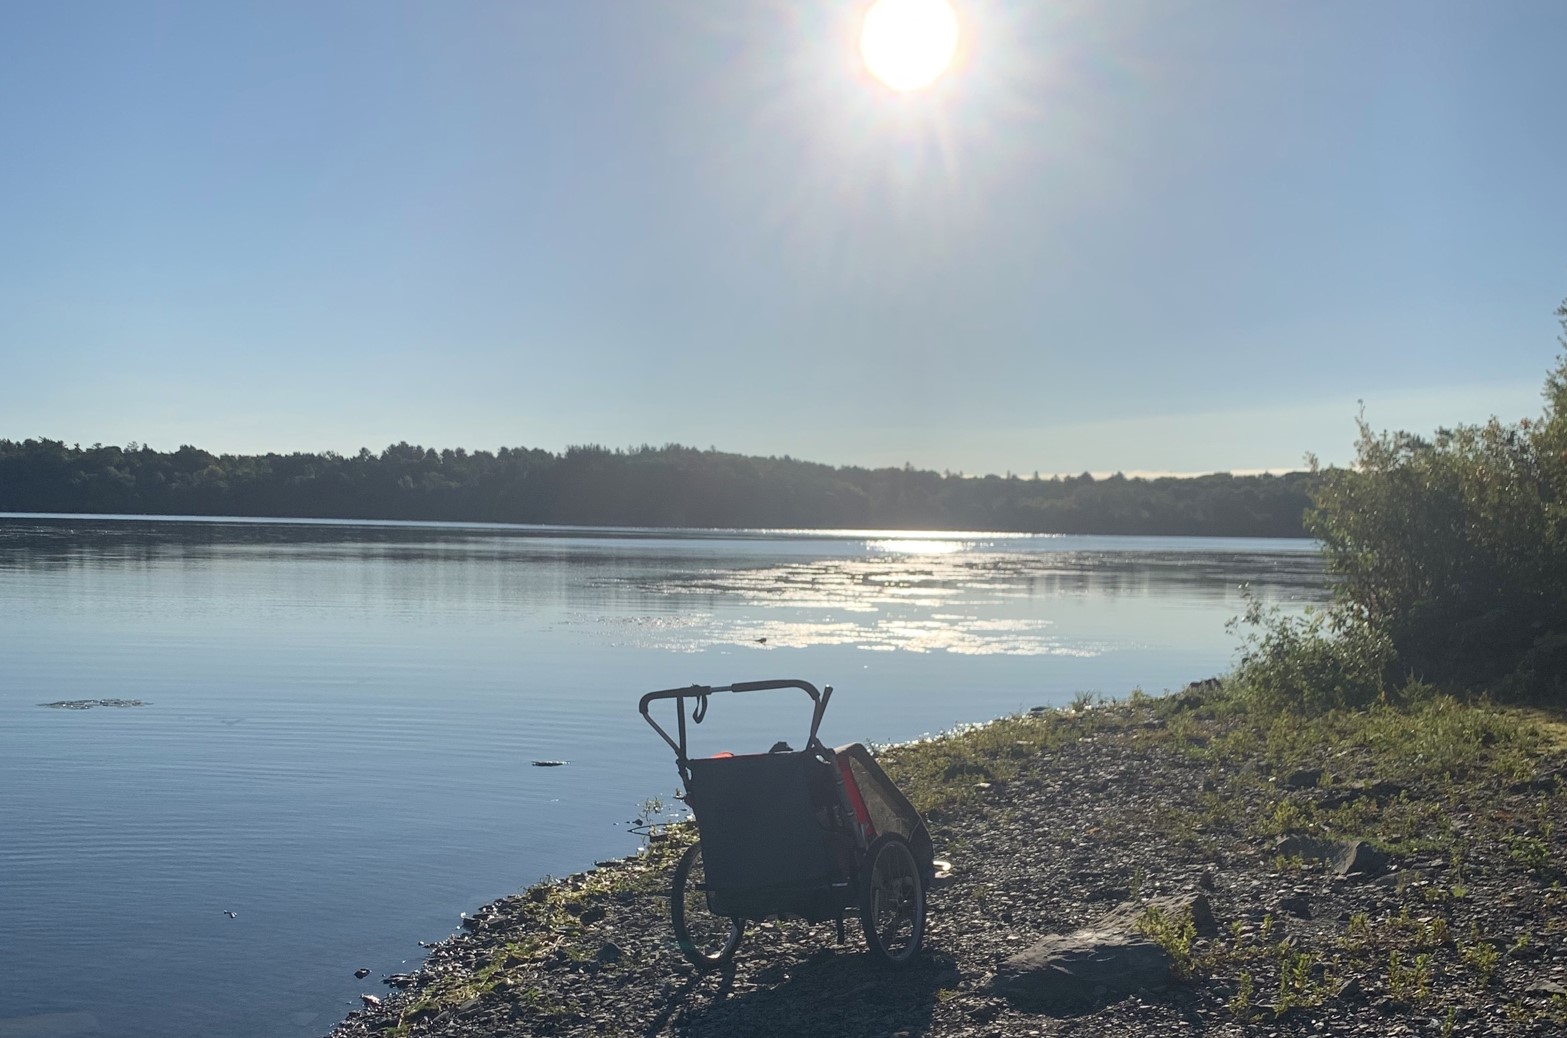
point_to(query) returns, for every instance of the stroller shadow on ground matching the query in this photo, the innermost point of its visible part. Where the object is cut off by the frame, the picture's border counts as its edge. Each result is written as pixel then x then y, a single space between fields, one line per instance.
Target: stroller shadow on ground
pixel 831 991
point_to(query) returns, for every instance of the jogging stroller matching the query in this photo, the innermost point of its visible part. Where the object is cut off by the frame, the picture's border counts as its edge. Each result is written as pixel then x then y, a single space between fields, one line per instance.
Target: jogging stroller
pixel 812 834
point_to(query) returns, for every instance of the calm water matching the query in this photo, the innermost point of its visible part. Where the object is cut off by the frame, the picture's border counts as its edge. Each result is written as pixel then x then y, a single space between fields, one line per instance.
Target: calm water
pixel 340 719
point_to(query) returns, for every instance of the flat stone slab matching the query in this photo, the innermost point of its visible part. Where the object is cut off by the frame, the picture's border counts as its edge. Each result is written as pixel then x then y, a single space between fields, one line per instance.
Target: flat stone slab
pixel 1102 962
pixel 1070 971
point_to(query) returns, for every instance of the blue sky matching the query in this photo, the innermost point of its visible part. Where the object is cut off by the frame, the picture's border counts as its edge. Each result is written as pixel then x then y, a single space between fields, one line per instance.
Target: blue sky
pixel 1174 236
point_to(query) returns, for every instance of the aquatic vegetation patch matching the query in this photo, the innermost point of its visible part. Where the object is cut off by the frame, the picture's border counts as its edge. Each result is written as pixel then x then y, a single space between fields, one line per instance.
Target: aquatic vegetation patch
pixel 88 704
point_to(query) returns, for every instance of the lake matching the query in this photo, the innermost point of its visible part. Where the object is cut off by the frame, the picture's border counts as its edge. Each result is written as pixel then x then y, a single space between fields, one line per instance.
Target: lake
pixel 340 719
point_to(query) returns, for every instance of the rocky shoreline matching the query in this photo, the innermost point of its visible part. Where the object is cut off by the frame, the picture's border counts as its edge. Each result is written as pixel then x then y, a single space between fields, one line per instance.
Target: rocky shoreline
pixel 1396 874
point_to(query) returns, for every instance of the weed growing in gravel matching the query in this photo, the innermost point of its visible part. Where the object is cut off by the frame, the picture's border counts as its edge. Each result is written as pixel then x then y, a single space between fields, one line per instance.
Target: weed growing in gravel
pixel 943 772
pixel 1481 956
pixel 1295 983
pixel 1408 982
pixel 1173 933
pixel 1240 1004
pixel 1532 852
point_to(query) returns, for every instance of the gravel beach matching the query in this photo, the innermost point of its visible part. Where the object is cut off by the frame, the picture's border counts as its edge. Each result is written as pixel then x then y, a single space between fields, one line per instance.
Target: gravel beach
pixel 1355 886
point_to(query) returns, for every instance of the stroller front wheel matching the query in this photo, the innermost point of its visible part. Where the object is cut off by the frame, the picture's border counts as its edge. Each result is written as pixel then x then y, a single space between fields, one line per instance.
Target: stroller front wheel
pixel 706 940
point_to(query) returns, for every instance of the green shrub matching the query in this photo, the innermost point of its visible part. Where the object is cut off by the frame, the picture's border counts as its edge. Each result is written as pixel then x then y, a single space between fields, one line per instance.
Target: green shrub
pixel 1329 659
pixel 1449 556
pixel 1448 546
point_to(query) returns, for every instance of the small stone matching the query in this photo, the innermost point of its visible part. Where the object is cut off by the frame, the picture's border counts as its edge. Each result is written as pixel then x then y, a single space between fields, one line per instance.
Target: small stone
pixel 1308 848
pixel 1305 778
pixel 610 953
pixel 1109 893
pixel 1298 905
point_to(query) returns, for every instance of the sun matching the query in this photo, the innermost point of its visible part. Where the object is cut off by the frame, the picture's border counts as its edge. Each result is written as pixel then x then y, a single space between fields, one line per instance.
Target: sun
pixel 908 44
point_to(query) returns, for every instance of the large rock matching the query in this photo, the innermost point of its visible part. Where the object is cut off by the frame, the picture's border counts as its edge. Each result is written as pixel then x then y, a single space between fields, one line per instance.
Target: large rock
pixel 1068 971
pixel 1107 960
pixel 1345 857
pixel 1360 859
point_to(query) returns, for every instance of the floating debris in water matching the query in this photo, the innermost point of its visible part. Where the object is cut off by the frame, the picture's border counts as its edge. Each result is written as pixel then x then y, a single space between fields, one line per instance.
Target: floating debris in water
pixel 548 763
pixel 88 704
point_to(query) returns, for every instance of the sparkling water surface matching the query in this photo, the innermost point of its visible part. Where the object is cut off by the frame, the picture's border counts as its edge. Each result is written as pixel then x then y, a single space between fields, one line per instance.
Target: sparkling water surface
pixel 339 719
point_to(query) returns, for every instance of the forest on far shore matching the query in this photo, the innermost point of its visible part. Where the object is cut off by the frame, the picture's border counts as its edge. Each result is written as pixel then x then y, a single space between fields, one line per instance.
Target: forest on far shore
pixel 646 486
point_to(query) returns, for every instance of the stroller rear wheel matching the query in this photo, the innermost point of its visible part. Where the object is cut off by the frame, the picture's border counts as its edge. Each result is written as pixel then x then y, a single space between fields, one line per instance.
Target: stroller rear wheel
pixel 892 901
pixel 707 941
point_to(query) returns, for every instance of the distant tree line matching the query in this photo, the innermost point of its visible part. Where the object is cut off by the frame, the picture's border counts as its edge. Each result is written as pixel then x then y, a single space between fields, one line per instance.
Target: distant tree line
pixel 646 486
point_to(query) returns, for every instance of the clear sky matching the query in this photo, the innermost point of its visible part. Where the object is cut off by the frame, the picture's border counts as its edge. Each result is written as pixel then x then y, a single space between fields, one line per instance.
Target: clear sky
pixel 1171 236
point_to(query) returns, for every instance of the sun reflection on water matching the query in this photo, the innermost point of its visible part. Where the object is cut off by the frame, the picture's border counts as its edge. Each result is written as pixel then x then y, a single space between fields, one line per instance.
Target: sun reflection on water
pixel 922 546
pixel 930 593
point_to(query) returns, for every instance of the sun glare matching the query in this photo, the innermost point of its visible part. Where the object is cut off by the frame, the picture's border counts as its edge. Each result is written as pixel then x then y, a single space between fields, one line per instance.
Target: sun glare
pixel 908 44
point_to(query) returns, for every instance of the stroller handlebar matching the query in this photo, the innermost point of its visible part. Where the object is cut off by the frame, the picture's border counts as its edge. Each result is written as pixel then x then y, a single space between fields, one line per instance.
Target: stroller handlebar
pixel 701 692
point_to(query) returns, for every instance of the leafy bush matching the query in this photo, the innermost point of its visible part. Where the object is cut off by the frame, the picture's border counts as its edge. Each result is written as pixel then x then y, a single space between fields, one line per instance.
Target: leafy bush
pixel 1453 546
pixel 1450 556
pixel 1326 660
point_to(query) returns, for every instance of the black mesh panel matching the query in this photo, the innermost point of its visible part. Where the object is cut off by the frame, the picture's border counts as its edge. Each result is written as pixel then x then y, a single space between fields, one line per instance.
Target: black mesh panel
pixel 759 820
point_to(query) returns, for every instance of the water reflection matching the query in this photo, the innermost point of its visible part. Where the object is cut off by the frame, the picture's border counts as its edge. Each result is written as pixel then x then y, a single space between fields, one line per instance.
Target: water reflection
pixel 337 710
pixel 955 598
pixel 687 591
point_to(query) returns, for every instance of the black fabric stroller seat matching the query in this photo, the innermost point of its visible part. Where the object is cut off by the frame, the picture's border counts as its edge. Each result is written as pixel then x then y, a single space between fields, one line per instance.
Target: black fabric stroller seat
pixel 767 829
